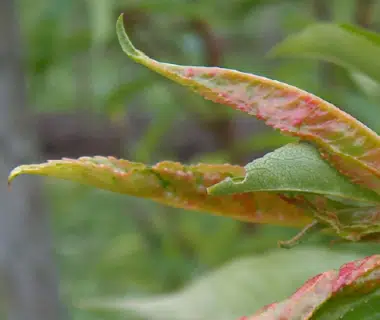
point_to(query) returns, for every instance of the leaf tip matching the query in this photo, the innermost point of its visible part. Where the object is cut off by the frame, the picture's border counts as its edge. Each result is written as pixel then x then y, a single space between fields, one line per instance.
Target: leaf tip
pixel 124 40
pixel 13 174
pixel 23 169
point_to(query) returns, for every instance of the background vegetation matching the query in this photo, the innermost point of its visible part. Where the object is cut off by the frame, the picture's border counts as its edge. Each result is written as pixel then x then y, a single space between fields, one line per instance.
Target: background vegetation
pixel 88 98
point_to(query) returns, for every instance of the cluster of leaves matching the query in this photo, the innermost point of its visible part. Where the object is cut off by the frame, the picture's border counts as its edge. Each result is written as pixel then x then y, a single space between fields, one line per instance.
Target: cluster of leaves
pixel 329 180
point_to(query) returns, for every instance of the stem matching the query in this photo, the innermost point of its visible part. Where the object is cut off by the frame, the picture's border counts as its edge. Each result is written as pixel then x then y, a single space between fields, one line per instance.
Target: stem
pixel 310 228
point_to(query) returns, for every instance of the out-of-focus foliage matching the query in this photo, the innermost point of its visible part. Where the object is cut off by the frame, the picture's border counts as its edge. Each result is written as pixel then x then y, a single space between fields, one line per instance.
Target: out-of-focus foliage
pixel 346 45
pixel 108 245
pixel 235 289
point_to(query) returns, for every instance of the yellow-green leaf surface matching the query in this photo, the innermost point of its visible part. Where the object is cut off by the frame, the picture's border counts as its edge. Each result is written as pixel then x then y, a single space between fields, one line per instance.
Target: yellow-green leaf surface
pixel 352 147
pixel 173 184
pixel 351 293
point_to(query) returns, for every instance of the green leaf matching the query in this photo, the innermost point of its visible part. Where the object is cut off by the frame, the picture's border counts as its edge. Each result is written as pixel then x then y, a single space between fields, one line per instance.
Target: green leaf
pixel 236 289
pixel 369 86
pixel 307 44
pixel 374 37
pixel 296 168
pixel 173 184
pixel 352 292
pixel 298 172
pixel 352 147
pixel 362 108
pixel 348 46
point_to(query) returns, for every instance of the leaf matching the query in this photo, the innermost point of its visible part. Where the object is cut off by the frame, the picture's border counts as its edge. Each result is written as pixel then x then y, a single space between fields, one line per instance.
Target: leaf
pixel 173 184
pixel 374 37
pixel 352 292
pixel 348 46
pixel 364 113
pixel 237 288
pixel 298 172
pixel 352 147
pixel 369 86
pixel 295 168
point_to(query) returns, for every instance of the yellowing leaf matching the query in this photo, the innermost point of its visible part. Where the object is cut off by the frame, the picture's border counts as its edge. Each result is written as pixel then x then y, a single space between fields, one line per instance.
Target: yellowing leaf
pixel 352 147
pixel 175 185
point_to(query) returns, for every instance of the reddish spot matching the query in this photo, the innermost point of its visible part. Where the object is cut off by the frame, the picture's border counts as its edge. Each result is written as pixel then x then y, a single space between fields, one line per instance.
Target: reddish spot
pixel 311 101
pixel 242 108
pixel 349 273
pixel 189 73
pixel 243 318
pixel 259 115
pixel 297 122
pixel 212 74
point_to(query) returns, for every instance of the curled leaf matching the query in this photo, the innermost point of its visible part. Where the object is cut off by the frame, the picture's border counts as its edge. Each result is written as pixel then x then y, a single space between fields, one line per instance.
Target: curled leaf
pixel 353 148
pixel 353 291
pixel 173 184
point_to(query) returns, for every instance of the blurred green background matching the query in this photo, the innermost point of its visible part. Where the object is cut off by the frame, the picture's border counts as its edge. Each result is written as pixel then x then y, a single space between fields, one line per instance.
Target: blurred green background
pixel 139 259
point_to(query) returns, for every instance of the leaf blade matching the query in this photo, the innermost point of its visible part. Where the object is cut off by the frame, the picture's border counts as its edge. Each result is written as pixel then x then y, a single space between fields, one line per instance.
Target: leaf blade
pixel 298 168
pixel 239 287
pixel 298 172
pixel 358 279
pixel 352 147
pixel 346 45
pixel 172 184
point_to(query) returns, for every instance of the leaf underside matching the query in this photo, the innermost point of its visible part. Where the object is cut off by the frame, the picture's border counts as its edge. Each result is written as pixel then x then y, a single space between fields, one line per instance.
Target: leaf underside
pixel 352 292
pixel 352 147
pixel 175 185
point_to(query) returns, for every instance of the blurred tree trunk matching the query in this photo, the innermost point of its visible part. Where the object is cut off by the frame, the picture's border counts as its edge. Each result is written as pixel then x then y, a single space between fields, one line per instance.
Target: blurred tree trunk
pixel 27 273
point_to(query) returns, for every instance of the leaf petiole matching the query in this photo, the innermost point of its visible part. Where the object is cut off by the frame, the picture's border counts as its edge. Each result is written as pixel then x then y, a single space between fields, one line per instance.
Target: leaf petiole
pixel 310 228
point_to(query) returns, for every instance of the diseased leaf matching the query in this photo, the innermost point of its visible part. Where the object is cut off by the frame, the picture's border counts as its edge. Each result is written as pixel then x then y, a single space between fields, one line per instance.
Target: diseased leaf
pixel 173 184
pixel 352 147
pixel 352 292
pixel 238 288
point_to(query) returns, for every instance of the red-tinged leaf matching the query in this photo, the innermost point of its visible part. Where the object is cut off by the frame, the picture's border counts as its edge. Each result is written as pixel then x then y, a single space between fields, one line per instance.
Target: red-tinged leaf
pixel 353 291
pixel 352 147
pixel 175 185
